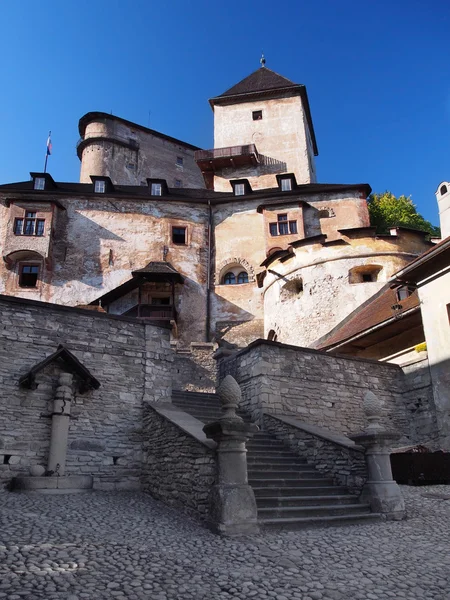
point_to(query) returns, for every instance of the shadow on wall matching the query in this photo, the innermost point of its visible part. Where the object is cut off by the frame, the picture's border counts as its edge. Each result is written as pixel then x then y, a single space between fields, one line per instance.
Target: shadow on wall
pixel 234 326
pixel 427 403
pixel 82 255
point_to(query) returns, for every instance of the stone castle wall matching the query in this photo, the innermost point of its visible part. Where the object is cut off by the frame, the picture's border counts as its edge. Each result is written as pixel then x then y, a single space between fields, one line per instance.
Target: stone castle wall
pixel 326 390
pixel 309 293
pixel 318 388
pixel 132 362
pixel 129 153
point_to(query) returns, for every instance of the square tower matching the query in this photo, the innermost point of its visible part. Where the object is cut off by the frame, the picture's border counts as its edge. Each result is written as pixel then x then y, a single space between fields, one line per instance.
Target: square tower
pixel 262 128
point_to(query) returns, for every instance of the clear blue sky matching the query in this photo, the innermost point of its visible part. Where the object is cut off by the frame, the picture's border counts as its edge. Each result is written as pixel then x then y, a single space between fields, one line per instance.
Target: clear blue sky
pixel 377 75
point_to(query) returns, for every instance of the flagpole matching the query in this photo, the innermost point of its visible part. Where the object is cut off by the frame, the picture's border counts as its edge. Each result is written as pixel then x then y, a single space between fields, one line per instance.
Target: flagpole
pixel 47 152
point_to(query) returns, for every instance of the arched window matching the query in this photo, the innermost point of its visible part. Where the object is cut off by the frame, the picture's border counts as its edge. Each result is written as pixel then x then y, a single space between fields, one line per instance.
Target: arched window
pixel 229 279
pixel 443 190
pixel 234 274
pixel 272 336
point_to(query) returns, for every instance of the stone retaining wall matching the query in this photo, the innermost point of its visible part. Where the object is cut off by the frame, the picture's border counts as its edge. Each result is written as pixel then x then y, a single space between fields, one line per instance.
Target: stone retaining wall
pixel 131 360
pixel 339 460
pixel 316 387
pixel 178 469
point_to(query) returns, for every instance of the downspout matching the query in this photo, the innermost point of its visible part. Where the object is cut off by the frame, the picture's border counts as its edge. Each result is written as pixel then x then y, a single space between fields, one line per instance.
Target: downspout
pixel 208 275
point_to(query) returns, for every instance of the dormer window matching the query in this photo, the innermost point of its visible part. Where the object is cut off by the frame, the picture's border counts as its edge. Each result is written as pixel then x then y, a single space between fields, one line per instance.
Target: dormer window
pixel 156 189
pixel 99 186
pixel 239 189
pixel 286 184
pixel 39 183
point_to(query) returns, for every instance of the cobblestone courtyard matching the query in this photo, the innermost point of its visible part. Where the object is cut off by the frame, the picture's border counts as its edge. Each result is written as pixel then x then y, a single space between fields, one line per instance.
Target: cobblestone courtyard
pixel 126 545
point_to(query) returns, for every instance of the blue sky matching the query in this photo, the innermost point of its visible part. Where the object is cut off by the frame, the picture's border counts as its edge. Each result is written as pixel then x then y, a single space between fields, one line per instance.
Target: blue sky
pixel 377 75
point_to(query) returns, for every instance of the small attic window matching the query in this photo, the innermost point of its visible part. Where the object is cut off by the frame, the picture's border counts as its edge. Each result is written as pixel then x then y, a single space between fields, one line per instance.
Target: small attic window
pixel 99 186
pixel 156 189
pixel 239 189
pixel 286 184
pixel 257 115
pixel 39 183
pixel 443 190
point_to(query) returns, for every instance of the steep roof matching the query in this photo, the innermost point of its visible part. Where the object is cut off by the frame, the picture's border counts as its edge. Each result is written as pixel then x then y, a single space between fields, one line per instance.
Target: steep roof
pixel 161 269
pixel 261 80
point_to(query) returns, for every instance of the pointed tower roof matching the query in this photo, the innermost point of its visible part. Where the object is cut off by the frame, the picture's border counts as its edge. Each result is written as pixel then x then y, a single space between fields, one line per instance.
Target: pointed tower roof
pixel 264 84
pixel 263 79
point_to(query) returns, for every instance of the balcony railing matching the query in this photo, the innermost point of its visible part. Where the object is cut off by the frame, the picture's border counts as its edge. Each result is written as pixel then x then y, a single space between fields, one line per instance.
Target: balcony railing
pixel 157 312
pixel 227 152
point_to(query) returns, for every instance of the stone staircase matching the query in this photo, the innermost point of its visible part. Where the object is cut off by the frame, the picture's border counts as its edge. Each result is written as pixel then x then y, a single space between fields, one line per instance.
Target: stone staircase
pixel 289 493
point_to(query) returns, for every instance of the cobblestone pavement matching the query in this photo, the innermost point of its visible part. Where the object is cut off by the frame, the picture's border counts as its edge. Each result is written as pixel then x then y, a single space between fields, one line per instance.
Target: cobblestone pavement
pixel 127 545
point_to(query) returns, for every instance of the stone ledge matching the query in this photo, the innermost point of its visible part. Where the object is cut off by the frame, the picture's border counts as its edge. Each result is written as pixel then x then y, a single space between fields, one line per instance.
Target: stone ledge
pixel 184 421
pixel 334 438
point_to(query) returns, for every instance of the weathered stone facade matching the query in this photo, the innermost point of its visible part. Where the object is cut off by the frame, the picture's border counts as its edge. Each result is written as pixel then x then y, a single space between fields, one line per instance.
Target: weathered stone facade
pixel 263 251
pixel 128 153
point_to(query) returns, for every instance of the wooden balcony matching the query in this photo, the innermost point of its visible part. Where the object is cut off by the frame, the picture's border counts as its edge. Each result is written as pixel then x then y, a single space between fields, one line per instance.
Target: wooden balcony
pixel 231 156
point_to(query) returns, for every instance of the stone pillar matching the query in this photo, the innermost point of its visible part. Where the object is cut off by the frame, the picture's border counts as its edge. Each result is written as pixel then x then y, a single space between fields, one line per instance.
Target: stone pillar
pixel 60 426
pixel 232 501
pixel 380 491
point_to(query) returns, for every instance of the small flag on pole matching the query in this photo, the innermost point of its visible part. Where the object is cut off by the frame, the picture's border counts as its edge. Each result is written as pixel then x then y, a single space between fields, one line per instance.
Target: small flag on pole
pixel 49 150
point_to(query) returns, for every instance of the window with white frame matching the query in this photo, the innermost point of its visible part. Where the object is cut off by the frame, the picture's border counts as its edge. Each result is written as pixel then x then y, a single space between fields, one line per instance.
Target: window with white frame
pixel 99 186
pixel 156 189
pixel 39 183
pixel 239 189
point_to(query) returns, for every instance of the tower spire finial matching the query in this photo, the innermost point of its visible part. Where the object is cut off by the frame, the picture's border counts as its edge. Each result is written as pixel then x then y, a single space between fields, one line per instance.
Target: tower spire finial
pixel 262 60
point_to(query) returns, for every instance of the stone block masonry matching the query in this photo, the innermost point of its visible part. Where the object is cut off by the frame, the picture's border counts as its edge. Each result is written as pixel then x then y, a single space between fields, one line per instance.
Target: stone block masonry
pixel 131 360
pixel 316 387
pixel 178 468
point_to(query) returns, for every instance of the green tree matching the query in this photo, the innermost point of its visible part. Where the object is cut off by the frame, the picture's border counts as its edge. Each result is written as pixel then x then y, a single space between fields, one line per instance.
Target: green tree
pixel 386 211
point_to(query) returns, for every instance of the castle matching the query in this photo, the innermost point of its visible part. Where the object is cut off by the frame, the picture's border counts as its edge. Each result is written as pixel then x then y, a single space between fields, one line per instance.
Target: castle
pixel 226 245
pixel 163 246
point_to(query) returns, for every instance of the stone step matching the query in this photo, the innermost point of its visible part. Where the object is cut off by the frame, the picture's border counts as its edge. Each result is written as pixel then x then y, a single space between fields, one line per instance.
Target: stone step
pixel 288 512
pixel 323 521
pixel 272 453
pixel 256 466
pixel 297 482
pixel 275 461
pixel 305 500
pixel 270 491
pixel 309 473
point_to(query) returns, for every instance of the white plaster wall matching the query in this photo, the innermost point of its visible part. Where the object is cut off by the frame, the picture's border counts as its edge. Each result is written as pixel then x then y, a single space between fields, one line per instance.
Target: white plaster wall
pixel 327 296
pixel 435 300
